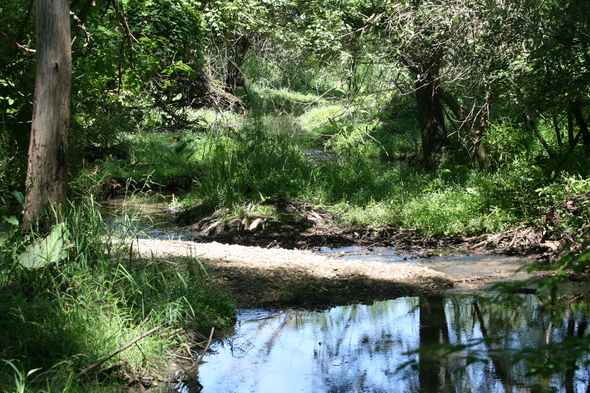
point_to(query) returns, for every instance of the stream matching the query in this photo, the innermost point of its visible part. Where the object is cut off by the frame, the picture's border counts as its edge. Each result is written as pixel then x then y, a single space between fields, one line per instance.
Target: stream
pixel 363 348
pixel 374 348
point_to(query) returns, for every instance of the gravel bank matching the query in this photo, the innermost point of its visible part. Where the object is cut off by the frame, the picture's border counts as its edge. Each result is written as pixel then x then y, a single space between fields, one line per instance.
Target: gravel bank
pixel 261 277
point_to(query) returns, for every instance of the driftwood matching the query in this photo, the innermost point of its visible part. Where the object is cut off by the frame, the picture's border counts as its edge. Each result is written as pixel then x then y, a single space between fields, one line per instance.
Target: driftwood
pixel 116 351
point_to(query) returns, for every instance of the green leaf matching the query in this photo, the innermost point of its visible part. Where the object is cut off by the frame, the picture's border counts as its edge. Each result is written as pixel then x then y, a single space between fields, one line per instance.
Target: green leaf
pixel 19 197
pixel 51 249
pixel 12 220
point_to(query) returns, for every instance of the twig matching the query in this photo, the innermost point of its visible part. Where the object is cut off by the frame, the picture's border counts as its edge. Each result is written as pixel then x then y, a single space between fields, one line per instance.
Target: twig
pixel 121 349
pixel 206 346
pixel 179 356
pixel 13 42
pixel 188 371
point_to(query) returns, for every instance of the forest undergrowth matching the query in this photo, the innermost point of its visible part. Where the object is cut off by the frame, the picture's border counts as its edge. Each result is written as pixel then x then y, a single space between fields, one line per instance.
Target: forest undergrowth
pixel 360 171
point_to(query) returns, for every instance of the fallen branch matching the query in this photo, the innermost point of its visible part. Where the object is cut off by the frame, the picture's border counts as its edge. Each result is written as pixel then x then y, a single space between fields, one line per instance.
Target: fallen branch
pixel 116 351
pixel 195 364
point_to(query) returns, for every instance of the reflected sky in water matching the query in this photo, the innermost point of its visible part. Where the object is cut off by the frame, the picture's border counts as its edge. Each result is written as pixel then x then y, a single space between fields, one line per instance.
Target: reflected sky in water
pixel 352 348
pixel 359 348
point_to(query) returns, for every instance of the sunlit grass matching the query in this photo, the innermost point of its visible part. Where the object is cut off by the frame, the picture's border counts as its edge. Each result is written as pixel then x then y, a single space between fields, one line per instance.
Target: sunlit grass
pixel 243 160
pixel 318 119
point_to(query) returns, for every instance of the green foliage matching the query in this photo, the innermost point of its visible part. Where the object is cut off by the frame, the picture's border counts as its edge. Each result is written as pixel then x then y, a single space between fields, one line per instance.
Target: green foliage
pixel 557 75
pixel 47 251
pixel 70 313
pixel 150 160
pixel 398 131
pixel 16 92
pixel 120 74
pixel 170 34
pixel 267 101
pixel 256 162
pixel 252 163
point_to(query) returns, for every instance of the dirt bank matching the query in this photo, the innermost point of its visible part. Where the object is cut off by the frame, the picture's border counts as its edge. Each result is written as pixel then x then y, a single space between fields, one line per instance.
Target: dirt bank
pixel 300 226
pixel 260 277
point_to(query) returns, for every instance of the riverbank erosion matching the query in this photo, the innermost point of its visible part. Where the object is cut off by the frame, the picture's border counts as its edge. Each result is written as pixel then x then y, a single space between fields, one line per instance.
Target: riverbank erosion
pixel 267 277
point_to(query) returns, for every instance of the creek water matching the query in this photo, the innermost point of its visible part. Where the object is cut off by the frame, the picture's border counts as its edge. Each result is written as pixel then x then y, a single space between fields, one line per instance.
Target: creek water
pixel 145 217
pixel 373 348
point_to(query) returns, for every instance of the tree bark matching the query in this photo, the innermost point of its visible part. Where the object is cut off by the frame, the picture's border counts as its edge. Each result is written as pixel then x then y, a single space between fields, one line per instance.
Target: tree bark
pixel 582 125
pixel 571 137
pixel 557 130
pixel 467 123
pixel 425 64
pixel 430 117
pixel 544 143
pixel 48 149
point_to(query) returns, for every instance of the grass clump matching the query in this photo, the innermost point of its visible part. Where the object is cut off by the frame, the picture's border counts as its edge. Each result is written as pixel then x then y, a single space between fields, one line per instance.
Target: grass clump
pixel 249 164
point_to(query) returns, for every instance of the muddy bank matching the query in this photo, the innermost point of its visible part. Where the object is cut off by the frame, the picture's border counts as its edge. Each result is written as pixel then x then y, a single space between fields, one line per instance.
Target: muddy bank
pixel 300 226
pixel 262 277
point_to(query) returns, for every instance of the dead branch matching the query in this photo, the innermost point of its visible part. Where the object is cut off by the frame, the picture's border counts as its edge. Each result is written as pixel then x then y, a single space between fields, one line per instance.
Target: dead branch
pixel 13 42
pixel 121 349
pixel 206 346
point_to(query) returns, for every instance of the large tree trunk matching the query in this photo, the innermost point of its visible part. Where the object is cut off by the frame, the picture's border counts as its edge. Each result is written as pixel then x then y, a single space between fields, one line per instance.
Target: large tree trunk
pixel 425 64
pixel 430 117
pixel 48 149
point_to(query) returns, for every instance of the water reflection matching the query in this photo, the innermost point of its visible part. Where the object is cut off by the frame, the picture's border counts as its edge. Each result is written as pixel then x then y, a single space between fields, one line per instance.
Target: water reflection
pixel 360 348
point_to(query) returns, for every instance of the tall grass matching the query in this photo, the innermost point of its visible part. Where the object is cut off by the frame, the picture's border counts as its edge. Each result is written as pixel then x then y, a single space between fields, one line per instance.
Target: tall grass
pixel 255 163
pixel 249 164
pixel 58 319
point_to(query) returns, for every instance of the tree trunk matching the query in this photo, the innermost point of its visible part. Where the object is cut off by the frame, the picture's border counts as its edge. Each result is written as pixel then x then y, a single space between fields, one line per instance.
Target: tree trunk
pixel 544 143
pixel 431 118
pixel 475 133
pixel 48 149
pixel 582 125
pixel 555 121
pixel 425 64
pixel 571 137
